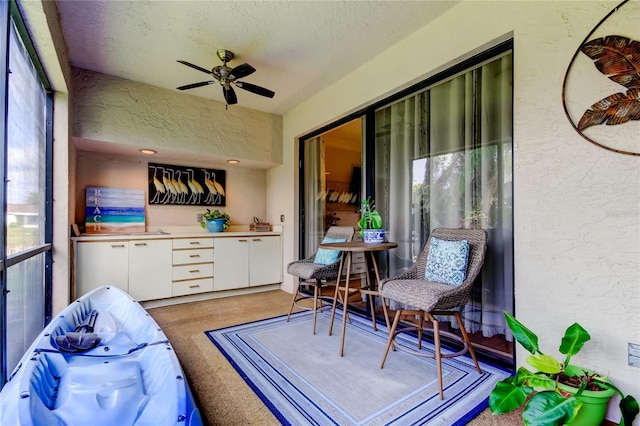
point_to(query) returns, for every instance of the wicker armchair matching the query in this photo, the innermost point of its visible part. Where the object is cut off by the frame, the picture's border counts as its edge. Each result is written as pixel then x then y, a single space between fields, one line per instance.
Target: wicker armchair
pixel 426 299
pixel 316 275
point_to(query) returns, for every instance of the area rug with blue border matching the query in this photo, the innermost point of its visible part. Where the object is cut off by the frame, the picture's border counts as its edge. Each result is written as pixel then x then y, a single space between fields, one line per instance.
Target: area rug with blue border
pixel 303 380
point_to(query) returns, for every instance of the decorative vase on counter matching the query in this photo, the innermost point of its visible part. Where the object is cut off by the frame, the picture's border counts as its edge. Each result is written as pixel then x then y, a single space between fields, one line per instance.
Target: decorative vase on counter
pixel 215 225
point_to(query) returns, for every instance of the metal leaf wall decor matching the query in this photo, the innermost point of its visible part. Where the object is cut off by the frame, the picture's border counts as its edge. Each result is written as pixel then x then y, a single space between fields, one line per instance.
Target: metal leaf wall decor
pixel 617 57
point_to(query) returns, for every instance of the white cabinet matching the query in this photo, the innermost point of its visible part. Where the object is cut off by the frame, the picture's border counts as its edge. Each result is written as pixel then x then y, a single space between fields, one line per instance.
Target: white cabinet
pixel 231 263
pixel 142 268
pixel 192 270
pixel 167 266
pixel 247 262
pixel 150 269
pixel 265 260
pixel 99 263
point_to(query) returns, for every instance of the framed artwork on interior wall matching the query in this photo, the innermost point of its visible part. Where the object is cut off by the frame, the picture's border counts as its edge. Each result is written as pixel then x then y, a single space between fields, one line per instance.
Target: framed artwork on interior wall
pixel 187 186
pixel 114 210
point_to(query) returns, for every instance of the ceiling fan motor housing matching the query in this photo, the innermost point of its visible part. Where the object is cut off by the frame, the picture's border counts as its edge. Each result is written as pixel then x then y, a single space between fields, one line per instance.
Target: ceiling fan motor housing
pixel 225 55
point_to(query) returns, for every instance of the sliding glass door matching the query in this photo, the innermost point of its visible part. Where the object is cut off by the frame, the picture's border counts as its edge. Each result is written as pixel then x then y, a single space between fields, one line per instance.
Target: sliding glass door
pixel 331 180
pixel 438 154
pixel 443 158
pixel 315 190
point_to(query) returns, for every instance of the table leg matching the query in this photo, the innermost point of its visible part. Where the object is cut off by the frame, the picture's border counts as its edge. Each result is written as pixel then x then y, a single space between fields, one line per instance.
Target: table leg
pixel 336 294
pixel 377 292
pixel 345 303
pixel 371 286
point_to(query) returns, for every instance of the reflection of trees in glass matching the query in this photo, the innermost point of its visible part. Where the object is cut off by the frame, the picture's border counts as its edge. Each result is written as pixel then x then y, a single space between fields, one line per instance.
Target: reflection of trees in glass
pixel 25 223
pixel 462 184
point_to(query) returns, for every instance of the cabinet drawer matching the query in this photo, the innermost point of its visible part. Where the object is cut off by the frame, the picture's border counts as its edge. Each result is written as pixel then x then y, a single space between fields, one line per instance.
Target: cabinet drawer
pixel 185 257
pixel 188 272
pixel 357 268
pixel 182 288
pixel 357 258
pixel 189 243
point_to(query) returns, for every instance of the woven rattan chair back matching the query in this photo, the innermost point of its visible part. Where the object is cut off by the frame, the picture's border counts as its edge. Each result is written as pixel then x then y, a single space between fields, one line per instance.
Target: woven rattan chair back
pixel 316 276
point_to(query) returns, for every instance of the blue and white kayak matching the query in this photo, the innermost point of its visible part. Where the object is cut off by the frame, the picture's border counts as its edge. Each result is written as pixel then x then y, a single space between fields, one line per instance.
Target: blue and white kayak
pixel 126 374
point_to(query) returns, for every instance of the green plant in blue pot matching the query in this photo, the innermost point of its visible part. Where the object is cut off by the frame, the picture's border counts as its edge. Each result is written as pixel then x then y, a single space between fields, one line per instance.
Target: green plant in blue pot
pixel 557 393
pixel 215 221
pixel 370 222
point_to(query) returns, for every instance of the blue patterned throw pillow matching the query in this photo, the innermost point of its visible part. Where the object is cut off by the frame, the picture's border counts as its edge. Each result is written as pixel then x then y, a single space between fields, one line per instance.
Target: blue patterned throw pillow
pixel 447 261
pixel 327 257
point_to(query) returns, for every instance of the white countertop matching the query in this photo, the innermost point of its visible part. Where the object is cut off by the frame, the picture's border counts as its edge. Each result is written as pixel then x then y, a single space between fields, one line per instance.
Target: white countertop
pixel 165 232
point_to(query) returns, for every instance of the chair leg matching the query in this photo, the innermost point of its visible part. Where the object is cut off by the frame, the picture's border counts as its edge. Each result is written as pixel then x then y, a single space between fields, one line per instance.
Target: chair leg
pixel 316 289
pixel 372 304
pixel 392 332
pixel 386 319
pixel 465 336
pixel 436 342
pixel 420 327
pixel 293 299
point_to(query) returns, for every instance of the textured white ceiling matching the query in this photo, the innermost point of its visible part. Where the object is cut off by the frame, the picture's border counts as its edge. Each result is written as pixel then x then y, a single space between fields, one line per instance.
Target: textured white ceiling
pixel 297 47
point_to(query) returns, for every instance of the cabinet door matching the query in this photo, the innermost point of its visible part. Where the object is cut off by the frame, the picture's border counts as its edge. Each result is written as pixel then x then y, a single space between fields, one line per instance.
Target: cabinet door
pixel 230 263
pixel 266 261
pixel 150 263
pixel 101 263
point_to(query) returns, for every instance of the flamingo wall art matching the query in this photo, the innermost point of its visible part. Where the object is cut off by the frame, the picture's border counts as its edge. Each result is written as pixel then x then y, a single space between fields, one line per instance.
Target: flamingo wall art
pixel 191 186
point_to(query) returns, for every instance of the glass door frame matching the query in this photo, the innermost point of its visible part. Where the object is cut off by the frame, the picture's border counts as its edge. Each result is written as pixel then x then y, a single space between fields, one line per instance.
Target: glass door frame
pixel 10 12
pixel 368 115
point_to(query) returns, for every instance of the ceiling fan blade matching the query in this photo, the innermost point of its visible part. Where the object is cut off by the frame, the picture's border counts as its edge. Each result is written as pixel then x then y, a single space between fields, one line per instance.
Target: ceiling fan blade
pixel 194 85
pixel 255 89
pixel 229 95
pixel 241 71
pixel 189 64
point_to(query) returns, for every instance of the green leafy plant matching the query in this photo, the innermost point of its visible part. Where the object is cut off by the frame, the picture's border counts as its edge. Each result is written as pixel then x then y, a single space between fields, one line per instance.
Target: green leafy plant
pixel 215 214
pixel 370 218
pixel 545 403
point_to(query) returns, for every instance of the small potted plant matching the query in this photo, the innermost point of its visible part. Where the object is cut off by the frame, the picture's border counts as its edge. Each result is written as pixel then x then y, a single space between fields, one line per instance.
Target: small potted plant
pixel 558 393
pixel 370 222
pixel 215 221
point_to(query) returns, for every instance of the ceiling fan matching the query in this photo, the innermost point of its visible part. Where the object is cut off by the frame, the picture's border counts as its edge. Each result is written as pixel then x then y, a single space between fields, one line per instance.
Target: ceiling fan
pixel 227 76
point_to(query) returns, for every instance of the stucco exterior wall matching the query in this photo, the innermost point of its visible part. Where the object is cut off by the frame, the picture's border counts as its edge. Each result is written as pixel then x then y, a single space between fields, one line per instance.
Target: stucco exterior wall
pixel 577 227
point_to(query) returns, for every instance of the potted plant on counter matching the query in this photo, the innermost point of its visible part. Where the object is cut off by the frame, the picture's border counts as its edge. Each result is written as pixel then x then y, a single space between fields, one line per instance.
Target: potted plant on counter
pixel 215 221
pixel 370 222
pixel 558 393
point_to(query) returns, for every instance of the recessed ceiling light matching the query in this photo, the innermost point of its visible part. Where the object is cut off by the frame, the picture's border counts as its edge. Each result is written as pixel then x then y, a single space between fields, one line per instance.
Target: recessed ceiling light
pixel 233 161
pixel 148 151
